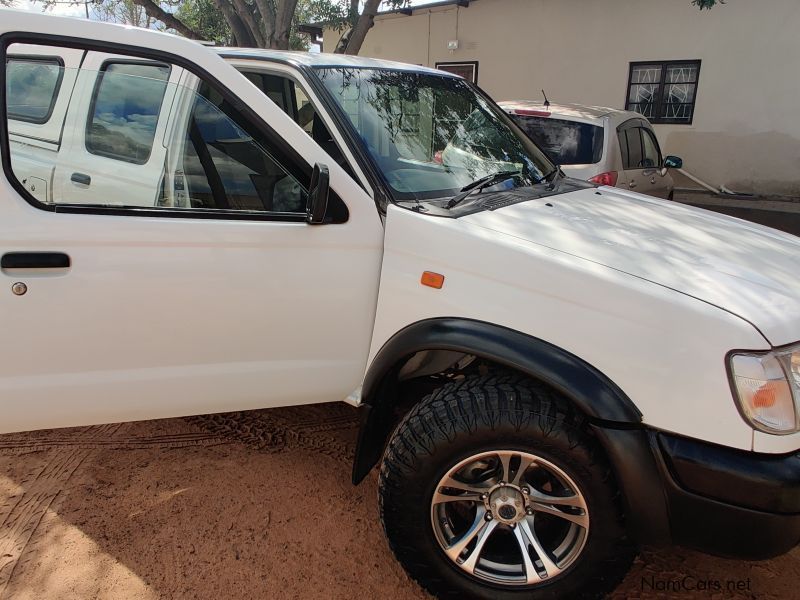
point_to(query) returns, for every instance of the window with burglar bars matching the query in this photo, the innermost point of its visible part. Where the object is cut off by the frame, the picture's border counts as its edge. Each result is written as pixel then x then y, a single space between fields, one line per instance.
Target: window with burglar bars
pixel 664 92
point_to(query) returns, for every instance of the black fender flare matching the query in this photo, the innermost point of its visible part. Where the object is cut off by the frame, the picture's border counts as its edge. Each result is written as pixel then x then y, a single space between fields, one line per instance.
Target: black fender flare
pixel 614 418
pixel 599 398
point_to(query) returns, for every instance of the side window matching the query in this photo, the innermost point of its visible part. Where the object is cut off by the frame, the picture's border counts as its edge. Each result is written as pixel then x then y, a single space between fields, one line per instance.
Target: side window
pixel 294 101
pixel 623 147
pixel 651 157
pixel 32 85
pixel 277 89
pixel 134 138
pixel 125 108
pixel 630 140
pixel 305 111
pixel 223 167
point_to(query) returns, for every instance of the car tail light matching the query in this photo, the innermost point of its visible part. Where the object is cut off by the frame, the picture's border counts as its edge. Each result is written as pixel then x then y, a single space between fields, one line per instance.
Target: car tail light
pixel 529 112
pixel 609 178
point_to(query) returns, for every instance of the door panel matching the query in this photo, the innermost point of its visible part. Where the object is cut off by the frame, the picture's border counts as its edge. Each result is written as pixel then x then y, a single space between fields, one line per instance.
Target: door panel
pixel 163 317
pixel 659 183
pixel 641 159
pixel 185 309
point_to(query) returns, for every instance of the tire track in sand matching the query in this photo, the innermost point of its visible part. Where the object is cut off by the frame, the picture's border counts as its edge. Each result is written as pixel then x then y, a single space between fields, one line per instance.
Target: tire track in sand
pixel 327 428
pixel 21 514
pixel 10 444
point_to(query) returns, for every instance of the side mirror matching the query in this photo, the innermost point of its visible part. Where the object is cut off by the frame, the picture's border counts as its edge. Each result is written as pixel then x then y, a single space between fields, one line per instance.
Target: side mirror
pixel 673 162
pixel 318 195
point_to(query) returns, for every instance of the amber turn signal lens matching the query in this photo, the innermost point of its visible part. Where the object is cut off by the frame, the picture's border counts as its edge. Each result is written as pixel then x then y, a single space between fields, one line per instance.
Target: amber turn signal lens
pixel 431 279
pixel 765 395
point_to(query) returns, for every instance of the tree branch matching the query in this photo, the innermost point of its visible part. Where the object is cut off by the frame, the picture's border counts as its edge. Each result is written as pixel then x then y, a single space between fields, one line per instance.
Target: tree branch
pixel 247 15
pixel 357 35
pixel 154 11
pixel 241 33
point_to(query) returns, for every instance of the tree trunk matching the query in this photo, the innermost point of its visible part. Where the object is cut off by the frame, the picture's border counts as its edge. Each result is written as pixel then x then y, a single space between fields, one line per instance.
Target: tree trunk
pixel 241 34
pixel 284 14
pixel 249 18
pixel 266 8
pixel 154 11
pixel 357 35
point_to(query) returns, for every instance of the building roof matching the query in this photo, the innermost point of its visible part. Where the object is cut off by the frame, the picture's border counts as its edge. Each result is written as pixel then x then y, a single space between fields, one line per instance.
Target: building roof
pixel 320 59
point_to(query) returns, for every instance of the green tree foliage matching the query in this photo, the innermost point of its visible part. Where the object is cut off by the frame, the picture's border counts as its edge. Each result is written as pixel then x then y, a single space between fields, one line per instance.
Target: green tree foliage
pixel 707 3
pixel 204 17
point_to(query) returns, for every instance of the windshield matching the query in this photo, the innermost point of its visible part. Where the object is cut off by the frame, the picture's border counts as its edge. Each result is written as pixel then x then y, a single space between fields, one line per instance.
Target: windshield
pixel 431 135
pixel 565 142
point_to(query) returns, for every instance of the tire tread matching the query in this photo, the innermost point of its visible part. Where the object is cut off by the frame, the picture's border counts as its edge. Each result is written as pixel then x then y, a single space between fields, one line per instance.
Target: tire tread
pixel 489 401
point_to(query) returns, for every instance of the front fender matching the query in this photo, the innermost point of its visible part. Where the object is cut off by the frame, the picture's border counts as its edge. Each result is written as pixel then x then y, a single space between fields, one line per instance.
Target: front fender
pixel 599 398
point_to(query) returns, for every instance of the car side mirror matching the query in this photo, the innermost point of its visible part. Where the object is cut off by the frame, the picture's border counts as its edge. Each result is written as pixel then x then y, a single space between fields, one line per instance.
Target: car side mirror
pixel 318 192
pixel 673 162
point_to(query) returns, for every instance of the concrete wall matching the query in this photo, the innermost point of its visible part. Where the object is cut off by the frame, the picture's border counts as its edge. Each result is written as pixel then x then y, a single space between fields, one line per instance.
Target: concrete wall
pixel 746 129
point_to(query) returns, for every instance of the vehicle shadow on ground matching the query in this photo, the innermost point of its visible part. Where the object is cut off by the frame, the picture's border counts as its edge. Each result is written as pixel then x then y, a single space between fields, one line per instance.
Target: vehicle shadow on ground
pixel 244 505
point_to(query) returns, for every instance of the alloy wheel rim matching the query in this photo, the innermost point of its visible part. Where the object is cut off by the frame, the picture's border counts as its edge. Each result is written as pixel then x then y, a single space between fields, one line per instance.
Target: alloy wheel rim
pixel 509 517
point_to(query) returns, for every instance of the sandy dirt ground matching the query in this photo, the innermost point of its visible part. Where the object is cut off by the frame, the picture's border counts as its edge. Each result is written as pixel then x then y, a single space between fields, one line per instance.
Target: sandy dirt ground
pixel 247 505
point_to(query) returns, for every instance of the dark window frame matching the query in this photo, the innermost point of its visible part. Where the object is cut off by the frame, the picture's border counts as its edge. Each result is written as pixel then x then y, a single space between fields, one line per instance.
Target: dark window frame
pixel 93 104
pixel 633 123
pixel 659 119
pixel 281 149
pixel 460 63
pixel 660 158
pixel 55 60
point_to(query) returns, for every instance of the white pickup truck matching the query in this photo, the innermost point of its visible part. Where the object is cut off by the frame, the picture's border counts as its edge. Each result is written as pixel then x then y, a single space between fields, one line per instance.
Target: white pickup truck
pixel 551 373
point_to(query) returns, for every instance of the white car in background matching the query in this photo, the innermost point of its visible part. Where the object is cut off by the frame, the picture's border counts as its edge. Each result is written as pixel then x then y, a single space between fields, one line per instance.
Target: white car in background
pixel 604 145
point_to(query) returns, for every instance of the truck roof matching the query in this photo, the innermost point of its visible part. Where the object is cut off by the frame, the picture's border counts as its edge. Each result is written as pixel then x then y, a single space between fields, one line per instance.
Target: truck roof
pixel 320 59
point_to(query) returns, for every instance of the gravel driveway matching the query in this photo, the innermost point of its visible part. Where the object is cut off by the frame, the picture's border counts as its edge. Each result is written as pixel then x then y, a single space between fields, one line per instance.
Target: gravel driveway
pixel 245 505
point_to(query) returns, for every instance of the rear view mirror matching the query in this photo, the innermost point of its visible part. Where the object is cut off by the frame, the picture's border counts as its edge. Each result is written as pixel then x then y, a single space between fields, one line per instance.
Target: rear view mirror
pixel 318 195
pixel 673 162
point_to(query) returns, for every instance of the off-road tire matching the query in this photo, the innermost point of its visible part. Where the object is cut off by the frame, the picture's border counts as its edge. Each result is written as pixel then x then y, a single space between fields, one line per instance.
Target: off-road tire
pixel 485 413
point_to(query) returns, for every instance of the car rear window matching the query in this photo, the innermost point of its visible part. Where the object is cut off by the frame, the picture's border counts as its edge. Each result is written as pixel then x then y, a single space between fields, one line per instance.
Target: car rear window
pixel 564 142
pixel 124 113
pixel 32 86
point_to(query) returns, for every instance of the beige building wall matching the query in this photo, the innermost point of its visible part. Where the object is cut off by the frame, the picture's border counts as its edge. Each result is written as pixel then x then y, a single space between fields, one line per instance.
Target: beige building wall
pixel 745 133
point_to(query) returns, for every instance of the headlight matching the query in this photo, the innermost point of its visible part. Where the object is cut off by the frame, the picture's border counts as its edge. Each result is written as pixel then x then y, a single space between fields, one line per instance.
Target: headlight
pixel 767 387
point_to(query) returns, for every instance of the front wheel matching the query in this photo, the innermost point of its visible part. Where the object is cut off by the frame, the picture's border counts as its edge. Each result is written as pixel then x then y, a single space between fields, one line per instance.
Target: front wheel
pixel 492 487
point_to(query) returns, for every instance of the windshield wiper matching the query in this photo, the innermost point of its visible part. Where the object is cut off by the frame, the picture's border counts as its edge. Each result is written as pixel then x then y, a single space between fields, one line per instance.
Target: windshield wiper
pixel 479 184
pixel 553 176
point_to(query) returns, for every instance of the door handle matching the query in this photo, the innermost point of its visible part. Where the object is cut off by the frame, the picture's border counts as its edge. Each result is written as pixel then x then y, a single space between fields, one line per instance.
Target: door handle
pixel 632 184
pixel 34 260
pixel 81 178
pixel 652 180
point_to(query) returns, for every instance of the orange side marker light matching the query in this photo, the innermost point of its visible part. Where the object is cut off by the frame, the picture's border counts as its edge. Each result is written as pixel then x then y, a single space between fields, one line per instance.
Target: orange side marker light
pixel 765 396
pixel 431 279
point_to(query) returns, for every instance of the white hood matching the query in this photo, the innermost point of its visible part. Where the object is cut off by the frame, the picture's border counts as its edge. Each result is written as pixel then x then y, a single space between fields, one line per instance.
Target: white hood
pixel 744 268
